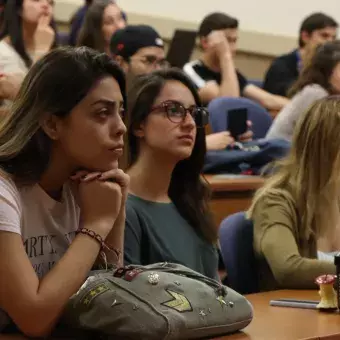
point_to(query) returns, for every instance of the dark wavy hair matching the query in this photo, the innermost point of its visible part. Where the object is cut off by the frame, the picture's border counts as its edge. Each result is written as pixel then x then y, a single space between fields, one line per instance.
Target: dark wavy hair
pixel 187 190
pixel 11 25
pixel 54 84
pixel 319 69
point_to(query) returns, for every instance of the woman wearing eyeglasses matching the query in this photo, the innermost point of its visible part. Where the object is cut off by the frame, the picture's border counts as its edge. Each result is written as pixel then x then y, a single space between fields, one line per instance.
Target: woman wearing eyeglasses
pixel 167 216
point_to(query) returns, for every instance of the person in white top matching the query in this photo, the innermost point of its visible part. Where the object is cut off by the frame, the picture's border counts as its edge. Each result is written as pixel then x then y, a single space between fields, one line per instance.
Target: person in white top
pixel 320 78
pixel 59 151
pixel 27 34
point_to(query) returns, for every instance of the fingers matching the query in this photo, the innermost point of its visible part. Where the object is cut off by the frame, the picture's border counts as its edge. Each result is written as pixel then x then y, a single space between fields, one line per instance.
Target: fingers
pixel 249 123
pixel 247 136
pixel 91 176
pixel 45 20
pixel 116 175
pixel 78 175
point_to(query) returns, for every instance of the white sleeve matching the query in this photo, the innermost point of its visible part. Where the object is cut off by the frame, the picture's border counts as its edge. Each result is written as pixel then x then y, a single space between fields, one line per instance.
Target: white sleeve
pixel 10 61
pixel 194 76
pixel 10 211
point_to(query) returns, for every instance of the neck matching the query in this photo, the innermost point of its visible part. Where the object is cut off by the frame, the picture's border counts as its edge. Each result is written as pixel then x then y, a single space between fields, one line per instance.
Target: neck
pixel 56 175
pixel 211 62
pixel 150 177
pixel 28 31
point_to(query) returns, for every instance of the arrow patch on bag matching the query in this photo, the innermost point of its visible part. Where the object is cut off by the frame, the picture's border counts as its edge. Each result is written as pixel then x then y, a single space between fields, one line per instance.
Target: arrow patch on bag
pixel 93 293
pixel 178 302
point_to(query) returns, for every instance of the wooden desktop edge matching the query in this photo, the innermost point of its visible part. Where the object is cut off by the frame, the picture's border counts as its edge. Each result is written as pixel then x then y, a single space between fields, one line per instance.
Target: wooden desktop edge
pixel 234 184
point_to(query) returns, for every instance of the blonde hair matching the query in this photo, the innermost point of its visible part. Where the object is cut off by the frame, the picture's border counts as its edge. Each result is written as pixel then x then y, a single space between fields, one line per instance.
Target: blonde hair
pixel 311 170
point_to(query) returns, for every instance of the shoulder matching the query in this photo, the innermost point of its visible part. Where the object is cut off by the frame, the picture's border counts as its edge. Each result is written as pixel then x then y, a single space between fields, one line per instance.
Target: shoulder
pixel 196 65
pixel 197 71
pixel 10 205
pixel 276 206
pixel 8 189
pixel 286 59
pixel 7 51
pixel 313 90
pixel 133 210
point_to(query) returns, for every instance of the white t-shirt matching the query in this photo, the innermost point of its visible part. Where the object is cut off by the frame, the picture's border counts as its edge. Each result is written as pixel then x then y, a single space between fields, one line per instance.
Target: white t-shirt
pixel 10 60
pixel 47 226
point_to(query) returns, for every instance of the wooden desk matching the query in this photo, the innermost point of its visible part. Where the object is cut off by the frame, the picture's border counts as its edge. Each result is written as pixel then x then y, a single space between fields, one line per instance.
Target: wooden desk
pixel 231 195
pixel 278 323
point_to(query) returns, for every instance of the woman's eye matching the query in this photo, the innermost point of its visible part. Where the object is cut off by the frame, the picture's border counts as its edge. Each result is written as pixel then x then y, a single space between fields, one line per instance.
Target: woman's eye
pixel 103 113
pixel 122 112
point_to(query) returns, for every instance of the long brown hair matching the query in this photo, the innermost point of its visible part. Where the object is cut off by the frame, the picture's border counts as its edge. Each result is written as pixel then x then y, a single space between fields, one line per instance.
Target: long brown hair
pixel 311 171
pixel 91 34
pixel 187 190
pixel 319 69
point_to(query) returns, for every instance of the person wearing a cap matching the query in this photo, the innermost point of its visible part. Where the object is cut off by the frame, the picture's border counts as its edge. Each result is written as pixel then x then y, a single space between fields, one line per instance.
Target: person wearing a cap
pixel 138 49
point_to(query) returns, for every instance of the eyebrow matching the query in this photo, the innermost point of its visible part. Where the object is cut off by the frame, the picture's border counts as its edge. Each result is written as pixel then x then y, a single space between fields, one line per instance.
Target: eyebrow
pixel 107 102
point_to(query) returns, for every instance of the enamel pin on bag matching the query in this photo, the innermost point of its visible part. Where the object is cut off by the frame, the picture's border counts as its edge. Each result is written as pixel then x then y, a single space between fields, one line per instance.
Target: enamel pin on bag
pixel 159 301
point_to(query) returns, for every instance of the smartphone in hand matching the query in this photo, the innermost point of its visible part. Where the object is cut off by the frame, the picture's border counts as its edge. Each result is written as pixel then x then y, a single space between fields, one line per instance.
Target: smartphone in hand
pixel 237 122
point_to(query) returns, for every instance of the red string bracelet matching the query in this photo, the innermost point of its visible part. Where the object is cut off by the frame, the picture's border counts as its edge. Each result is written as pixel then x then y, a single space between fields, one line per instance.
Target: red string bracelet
pixel 100 240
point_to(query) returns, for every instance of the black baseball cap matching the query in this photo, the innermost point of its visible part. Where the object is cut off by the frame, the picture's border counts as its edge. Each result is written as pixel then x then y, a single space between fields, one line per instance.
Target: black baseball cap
pixel 127 41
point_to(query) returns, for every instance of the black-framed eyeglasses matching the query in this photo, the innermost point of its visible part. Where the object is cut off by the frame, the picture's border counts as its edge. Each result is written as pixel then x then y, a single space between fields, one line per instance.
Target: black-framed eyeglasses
pixel 152 61
pixel 177 113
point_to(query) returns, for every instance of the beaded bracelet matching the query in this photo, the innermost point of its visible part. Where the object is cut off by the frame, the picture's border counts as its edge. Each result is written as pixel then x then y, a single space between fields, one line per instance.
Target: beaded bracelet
pixel 102 243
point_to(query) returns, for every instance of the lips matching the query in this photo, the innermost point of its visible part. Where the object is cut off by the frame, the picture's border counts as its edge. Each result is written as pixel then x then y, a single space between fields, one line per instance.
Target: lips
pixel 187 138
pixel 118 149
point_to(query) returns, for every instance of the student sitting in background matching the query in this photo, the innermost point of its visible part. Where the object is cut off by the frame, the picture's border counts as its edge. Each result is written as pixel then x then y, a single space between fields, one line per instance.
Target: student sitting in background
pixel 139 50
pixel 167 216
pixel 300 203
pixel 320 78
pixel 316 29
pixel 102 19
pixel 26 35
pixel 215 74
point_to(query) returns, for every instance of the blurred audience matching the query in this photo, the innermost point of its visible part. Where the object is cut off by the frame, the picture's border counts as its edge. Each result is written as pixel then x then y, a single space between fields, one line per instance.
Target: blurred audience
pixel 27 34
pixel 316 29
pixel 320 78
pixel 214 73
pixel 140 50
pixel 102 19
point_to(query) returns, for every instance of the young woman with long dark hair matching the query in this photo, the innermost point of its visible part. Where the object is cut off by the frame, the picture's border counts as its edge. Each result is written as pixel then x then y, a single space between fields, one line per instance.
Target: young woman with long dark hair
pixel 102 19
pixel 167 209
pixel 59 151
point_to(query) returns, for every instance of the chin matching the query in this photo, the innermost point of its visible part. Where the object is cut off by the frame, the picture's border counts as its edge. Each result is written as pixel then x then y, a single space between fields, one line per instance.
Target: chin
pixel 102 167
pixel 182 154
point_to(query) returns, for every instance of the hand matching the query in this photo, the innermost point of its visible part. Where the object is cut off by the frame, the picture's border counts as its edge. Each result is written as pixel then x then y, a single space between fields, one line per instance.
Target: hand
pixel 123 180
pixel 248 135
pixel 218 43
pixel 99 199
pixel 219 140
pixel 44 35
pixel 9 85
